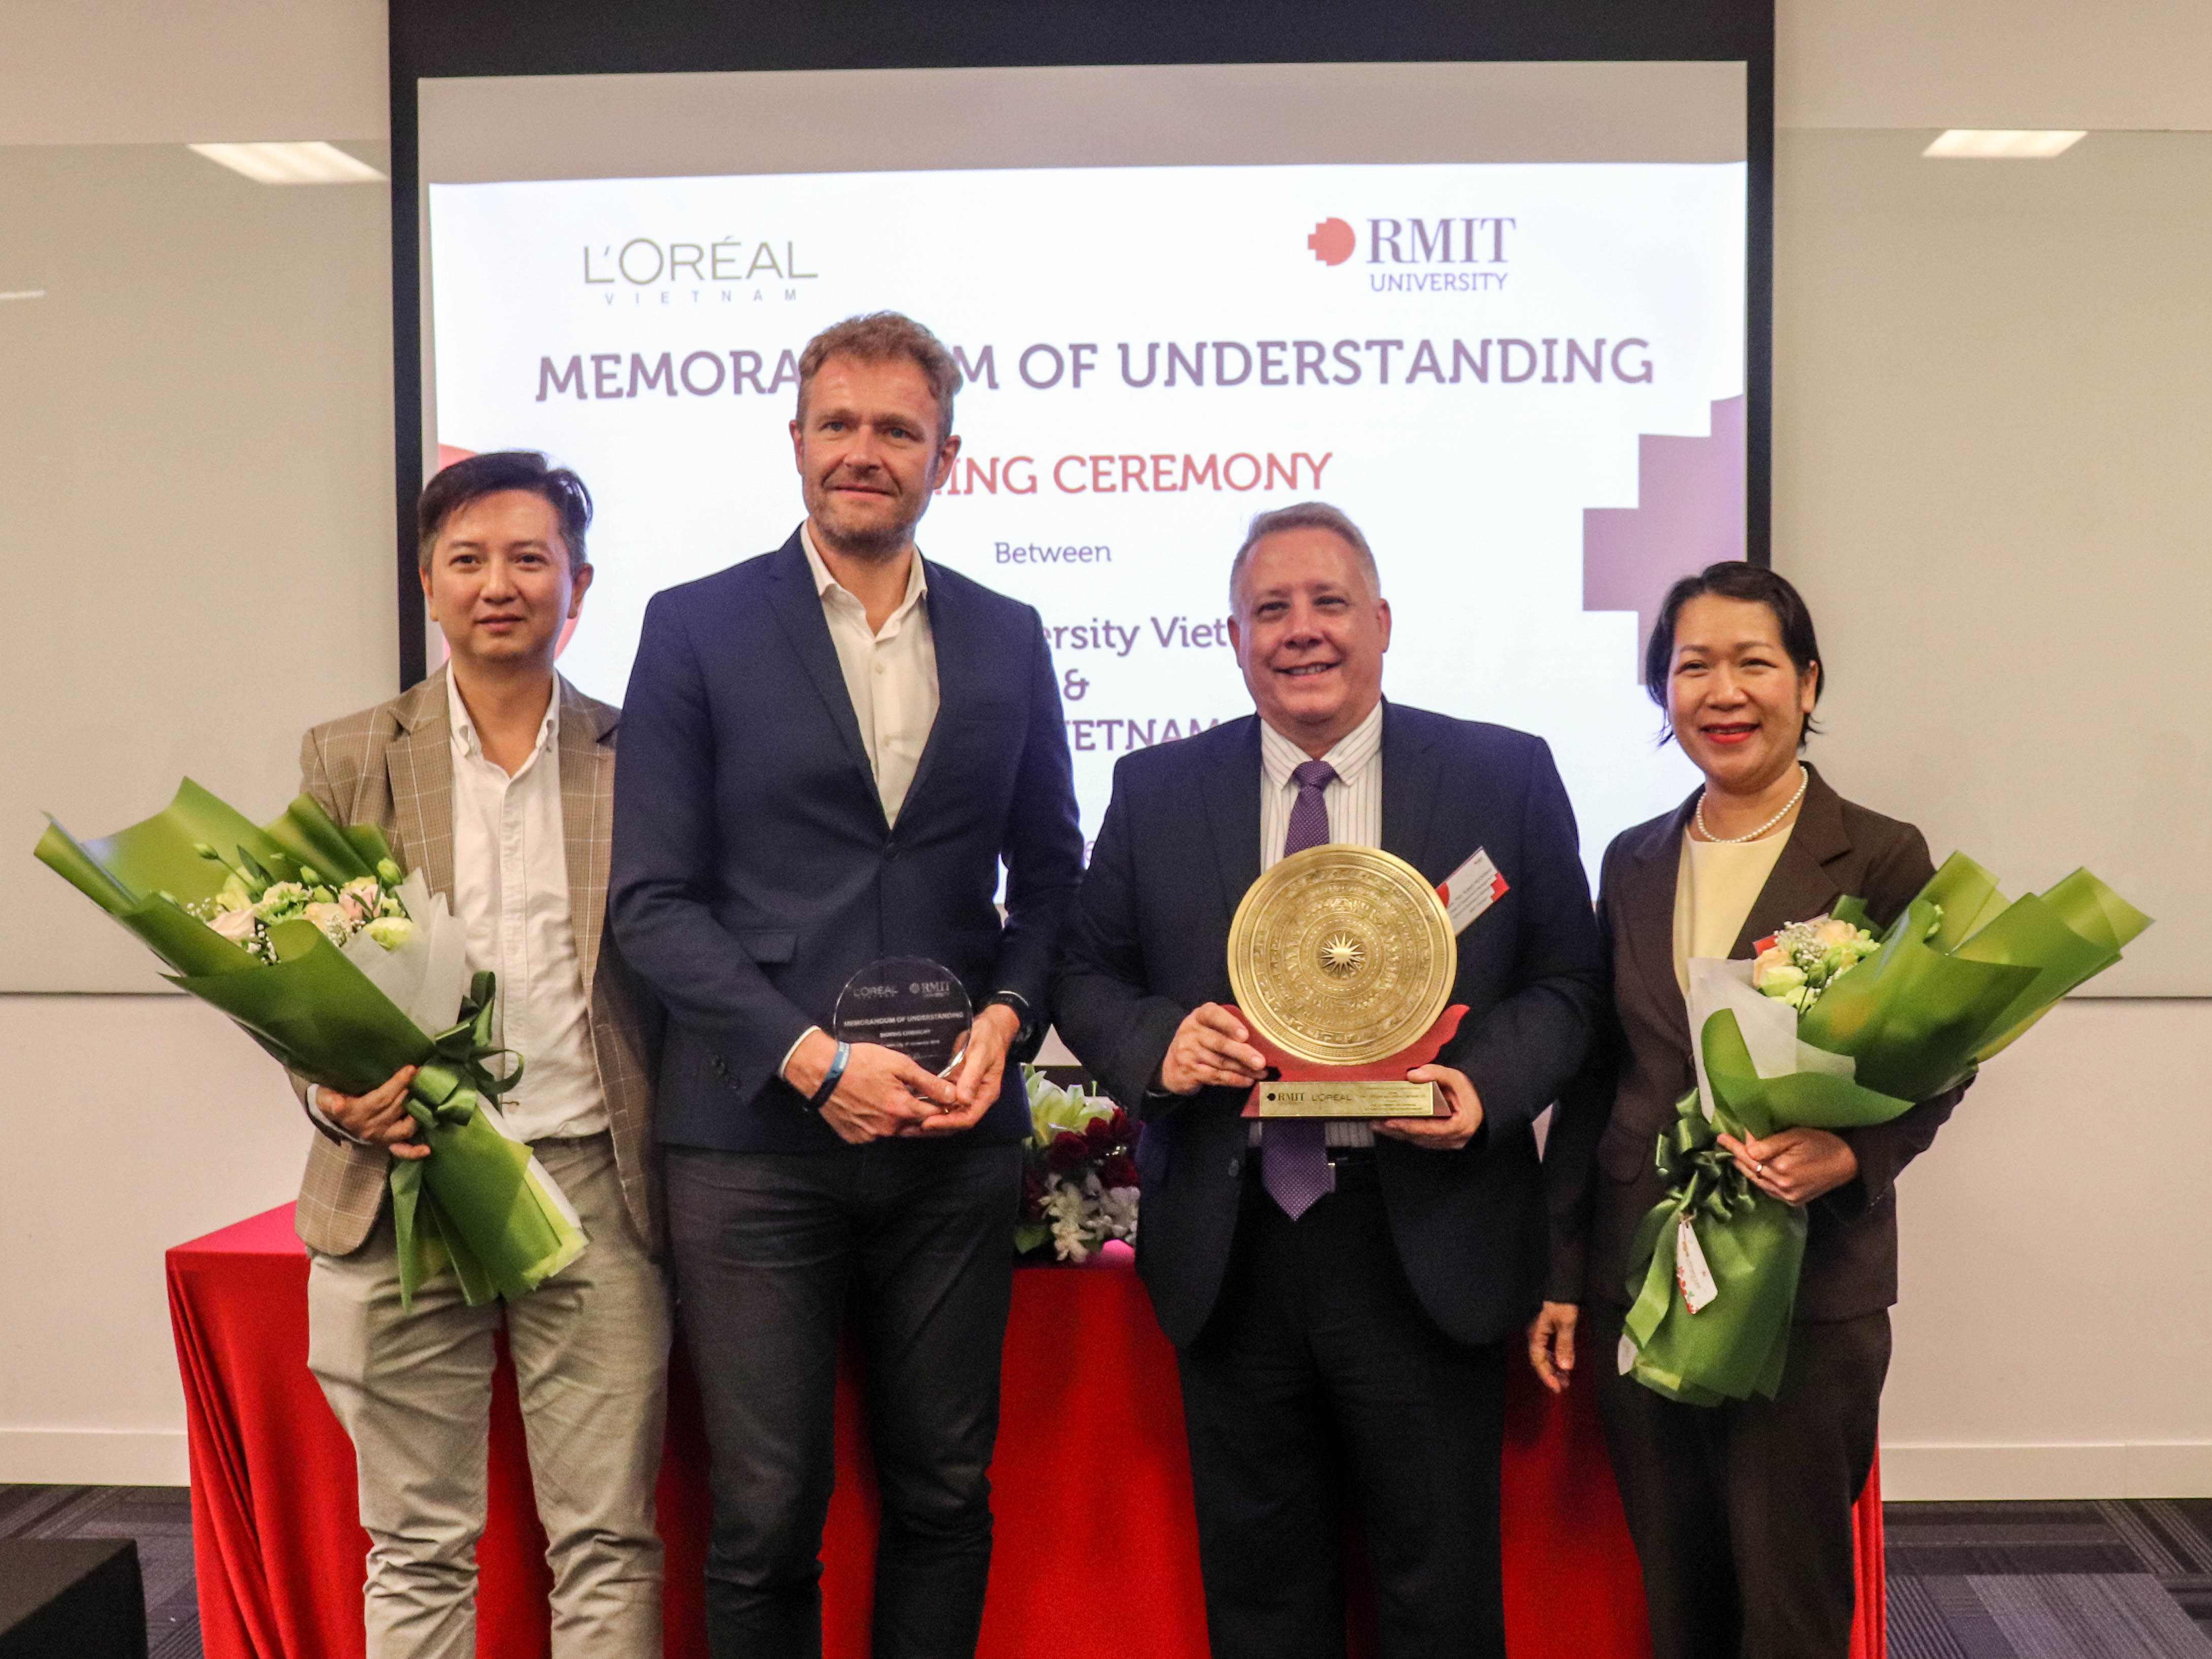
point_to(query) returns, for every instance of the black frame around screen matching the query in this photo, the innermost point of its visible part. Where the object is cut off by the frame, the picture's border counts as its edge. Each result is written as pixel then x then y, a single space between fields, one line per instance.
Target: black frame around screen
pixel 434 39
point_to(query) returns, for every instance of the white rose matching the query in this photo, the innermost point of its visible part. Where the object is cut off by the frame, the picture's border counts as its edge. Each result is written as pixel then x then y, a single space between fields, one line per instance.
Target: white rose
pixel 236 925
pixel 391 932
pixel 1775 978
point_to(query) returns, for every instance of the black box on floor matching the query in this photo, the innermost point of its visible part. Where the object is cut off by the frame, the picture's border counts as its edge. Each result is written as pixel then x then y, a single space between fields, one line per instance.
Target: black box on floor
pixel 71 1598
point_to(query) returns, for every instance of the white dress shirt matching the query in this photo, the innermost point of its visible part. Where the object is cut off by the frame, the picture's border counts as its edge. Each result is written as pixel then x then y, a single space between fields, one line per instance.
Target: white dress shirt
pixel 1354 800
pixel 891 673
pixel 510 894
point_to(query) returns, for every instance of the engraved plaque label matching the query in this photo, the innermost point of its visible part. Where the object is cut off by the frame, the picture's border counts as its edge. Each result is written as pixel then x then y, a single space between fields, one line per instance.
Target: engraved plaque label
pixel 908 1003
pixel 1346 1100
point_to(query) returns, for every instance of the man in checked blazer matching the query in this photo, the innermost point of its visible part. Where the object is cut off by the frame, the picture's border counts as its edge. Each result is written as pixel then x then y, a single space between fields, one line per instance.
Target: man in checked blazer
pixel 495 779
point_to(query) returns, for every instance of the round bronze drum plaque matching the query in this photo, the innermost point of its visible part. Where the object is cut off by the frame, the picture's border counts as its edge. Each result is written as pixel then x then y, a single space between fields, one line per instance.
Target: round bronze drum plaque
pixel 1342 955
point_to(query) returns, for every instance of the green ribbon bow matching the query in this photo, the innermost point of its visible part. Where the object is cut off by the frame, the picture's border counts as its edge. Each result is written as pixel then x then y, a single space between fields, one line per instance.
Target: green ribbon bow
pixel 1754 1246
pixel 448 1085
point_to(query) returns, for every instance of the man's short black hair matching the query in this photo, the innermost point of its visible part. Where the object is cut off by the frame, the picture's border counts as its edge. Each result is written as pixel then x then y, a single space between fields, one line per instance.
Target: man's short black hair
pixel 454 487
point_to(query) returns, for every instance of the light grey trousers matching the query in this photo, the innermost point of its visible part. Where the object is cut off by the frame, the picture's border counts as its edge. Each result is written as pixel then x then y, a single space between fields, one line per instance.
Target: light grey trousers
pixel 414 1392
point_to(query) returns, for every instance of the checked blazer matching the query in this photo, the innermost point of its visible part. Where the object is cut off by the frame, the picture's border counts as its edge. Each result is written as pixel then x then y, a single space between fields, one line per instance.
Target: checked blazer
pixel 392 766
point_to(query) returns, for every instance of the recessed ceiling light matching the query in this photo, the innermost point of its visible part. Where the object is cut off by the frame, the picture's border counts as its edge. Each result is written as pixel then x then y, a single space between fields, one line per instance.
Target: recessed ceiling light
pixel 314 163
pixel 1993 144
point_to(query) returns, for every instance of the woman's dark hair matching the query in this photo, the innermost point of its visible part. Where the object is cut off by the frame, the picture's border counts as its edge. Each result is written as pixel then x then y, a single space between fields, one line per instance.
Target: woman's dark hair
pixel 1735 579
pixel 470 480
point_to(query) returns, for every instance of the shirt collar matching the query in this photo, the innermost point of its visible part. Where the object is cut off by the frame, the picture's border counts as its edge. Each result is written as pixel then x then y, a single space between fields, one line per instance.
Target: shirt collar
pixel 828 586
pixel 1355 751
pixel 468 746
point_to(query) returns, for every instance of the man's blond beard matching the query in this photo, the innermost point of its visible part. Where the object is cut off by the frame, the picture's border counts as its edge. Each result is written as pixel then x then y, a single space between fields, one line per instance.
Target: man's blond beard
pixel 872 547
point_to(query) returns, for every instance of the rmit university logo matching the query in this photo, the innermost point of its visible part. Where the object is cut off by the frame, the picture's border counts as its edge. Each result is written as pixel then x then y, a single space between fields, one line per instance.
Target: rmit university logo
pixel 1333 241
pixel 1454 239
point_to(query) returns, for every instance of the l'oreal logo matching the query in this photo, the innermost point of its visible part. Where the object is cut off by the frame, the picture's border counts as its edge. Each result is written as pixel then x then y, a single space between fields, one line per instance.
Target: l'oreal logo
pixel 642 262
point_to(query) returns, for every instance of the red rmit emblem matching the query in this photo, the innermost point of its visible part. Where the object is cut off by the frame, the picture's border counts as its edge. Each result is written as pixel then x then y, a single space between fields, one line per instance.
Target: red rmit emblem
pixel 1331 241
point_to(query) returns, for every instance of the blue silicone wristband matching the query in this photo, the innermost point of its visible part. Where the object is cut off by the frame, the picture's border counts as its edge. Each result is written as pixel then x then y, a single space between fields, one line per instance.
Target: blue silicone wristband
pixel 831 1078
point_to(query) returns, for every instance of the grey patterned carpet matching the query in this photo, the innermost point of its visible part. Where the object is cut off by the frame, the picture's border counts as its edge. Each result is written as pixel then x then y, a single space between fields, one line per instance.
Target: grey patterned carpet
pixel 2129 1580
pixel 2119 1580
pixel 159 1518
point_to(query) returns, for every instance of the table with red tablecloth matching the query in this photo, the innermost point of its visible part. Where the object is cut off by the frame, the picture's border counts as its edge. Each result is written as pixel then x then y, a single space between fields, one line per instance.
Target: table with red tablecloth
pixel 1096 1545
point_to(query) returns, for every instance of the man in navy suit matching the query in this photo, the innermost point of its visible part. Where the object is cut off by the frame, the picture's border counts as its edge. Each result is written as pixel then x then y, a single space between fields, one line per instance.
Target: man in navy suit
pixel 828 752
pixel 1337 1294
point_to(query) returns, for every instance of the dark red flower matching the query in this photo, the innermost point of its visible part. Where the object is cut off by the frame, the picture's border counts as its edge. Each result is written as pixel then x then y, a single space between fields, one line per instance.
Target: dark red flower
pixel 1067 1153
pixel 1119 1170
pixel 1098 1133
pixel 1033 1191
pixel 1124 1132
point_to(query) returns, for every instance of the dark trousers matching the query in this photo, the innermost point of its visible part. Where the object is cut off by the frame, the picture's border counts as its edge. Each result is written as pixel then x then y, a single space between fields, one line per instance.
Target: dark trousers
pixel 1741 1512
pixel 1321 1385
pixel 772 1250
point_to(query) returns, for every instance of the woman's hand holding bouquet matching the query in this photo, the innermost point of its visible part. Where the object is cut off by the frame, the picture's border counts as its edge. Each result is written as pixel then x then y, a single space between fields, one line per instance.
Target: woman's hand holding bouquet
pixel 1829 1029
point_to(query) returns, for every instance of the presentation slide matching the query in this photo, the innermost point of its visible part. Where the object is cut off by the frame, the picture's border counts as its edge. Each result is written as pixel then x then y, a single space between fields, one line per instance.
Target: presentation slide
pixel 1524 380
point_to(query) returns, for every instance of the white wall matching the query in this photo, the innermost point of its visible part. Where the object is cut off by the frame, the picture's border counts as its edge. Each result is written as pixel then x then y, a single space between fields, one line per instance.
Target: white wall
pixel 196 508
pixel 2049 1342
pixel 2051 1338
pixel 131 1124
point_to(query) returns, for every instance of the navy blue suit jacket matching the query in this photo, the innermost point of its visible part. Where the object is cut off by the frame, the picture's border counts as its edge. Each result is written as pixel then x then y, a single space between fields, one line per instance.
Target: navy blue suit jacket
pixel 754 870
pixel 1150 942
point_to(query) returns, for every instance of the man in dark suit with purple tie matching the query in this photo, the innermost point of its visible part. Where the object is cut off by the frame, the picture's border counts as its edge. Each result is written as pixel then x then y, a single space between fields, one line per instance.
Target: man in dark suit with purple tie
pixel 1337 1294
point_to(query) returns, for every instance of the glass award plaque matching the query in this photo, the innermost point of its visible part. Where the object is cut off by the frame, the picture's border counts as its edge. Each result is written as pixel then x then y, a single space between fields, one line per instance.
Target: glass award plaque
pixel 911 1004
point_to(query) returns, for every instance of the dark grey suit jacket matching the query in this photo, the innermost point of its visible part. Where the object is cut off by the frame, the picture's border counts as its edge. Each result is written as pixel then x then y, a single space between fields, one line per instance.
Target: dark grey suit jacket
pixel 1150 942
pixel 1599 1173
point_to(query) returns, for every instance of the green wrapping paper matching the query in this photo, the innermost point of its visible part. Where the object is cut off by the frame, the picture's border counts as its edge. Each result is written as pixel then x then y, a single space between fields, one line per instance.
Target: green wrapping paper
pixel 1959 977
pixel 479 1203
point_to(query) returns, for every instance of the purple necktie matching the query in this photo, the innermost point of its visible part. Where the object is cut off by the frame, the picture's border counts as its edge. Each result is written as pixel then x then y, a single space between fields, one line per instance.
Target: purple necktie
pixel 1294 1157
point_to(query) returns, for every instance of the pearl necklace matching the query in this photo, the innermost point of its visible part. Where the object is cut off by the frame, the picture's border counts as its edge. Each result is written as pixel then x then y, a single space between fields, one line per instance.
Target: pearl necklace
pixel 1804 777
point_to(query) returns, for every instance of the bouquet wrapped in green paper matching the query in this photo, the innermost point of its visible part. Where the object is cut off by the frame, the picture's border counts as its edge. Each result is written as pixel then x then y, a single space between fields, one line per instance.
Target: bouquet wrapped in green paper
pixel 1830 1029
pixel 346 969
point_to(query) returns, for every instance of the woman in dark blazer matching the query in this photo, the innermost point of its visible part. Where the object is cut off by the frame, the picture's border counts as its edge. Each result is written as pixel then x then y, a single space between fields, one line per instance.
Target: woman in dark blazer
pixel 1742 1513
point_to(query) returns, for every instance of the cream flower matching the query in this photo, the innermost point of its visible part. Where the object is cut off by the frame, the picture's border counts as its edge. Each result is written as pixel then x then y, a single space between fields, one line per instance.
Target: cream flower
pixel 391 932
pixel 236 925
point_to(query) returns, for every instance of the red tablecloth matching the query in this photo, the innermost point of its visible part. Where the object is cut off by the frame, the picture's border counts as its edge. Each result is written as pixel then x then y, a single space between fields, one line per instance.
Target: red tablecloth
pixel 1096 1551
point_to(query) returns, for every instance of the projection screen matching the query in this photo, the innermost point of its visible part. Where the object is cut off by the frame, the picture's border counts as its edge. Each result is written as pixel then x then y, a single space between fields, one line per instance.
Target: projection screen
pixel 1494 311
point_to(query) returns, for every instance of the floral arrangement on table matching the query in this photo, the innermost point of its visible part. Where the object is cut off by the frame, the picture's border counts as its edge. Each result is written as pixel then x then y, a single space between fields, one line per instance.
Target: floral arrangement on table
pixel 1078 1172
pixel 1831 1027
pixel 346 968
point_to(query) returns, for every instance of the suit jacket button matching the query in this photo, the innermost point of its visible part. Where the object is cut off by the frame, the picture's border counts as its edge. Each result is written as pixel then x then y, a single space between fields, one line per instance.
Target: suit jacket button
pixel 1234 1165
pixel 891 850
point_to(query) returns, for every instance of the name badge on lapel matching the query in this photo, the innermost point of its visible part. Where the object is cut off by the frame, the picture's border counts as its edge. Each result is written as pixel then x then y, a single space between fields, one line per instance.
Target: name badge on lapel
pixel 1471 889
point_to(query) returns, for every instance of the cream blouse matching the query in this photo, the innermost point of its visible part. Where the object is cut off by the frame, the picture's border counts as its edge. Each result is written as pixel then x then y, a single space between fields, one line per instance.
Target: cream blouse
pixel 1715 885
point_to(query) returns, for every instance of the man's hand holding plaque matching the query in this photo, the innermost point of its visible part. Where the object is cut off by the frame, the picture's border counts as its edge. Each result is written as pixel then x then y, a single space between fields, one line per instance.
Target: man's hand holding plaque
pixel 916 1062
pixel 1445 1133
pixel 1342 958
pixel 880 1092
pixel 1212 1048
pixel 977 1073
